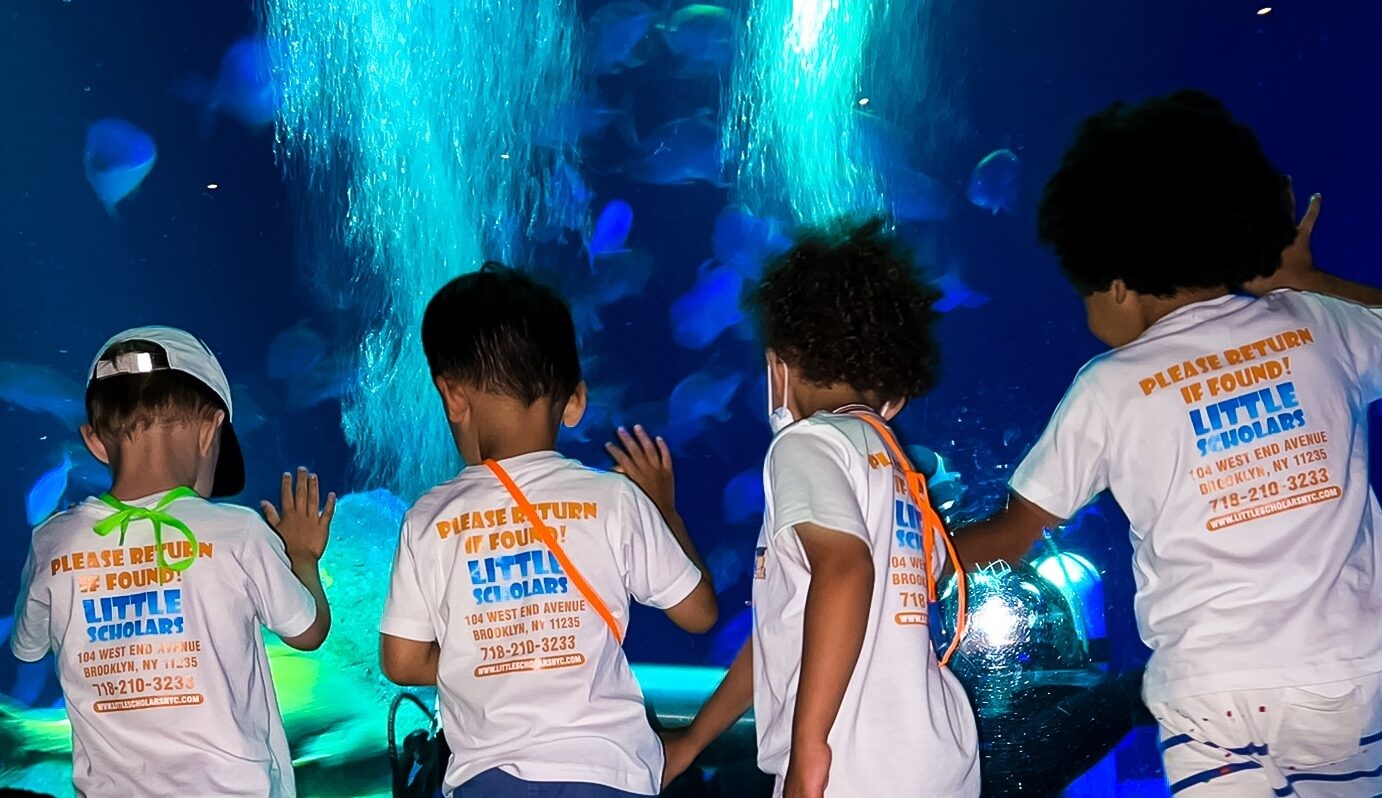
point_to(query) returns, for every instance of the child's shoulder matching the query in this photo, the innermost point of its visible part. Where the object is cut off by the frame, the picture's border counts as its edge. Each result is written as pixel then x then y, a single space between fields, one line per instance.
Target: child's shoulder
pixel 840 432
pixel 558 478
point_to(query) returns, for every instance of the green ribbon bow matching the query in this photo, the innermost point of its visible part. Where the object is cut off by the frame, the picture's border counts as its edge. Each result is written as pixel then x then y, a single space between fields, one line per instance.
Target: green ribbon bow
pixel 124 514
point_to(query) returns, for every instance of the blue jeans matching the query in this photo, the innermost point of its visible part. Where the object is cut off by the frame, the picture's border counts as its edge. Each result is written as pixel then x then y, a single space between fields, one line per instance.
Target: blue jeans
pixel 496 783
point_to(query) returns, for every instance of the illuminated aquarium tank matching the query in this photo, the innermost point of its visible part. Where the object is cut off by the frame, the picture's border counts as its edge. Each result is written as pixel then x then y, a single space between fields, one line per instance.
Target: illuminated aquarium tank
pixel 291 179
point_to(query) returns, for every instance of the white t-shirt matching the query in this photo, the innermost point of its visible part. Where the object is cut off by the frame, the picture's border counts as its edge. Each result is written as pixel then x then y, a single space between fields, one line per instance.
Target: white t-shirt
pixel 165 676
pixel 1233 433
pixel 531 680
pixel 905 726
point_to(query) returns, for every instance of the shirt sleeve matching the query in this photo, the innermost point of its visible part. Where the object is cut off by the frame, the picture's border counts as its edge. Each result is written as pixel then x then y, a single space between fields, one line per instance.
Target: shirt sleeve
pixel 1362 330
pixel 656 570
pixel 809 481
pixel 1068 466
pixel 405 608
pixel 282 602
pixel 30 639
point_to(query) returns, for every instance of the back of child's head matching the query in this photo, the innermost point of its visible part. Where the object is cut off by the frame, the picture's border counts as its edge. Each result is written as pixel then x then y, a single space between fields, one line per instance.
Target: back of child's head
pixel 850 308
pixel 1171 194
pixel 501 331
pixel 121 406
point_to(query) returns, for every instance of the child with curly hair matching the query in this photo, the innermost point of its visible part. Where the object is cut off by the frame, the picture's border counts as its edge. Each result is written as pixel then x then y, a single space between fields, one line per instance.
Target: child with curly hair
pixel 846 689
pixel 1232 430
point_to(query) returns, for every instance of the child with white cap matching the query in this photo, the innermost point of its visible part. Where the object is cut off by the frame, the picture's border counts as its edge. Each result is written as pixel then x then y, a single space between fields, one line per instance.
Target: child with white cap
pixel 152 598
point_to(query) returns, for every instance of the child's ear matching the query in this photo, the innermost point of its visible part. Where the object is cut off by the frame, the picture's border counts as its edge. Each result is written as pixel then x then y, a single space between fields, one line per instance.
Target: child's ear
pixel 208 429
pixel 94 444
pixel 1119 291
pixel 575 407
pixel 454 397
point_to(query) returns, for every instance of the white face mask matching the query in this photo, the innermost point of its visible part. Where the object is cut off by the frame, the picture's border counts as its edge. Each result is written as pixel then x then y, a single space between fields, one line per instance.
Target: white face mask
pixel 779 417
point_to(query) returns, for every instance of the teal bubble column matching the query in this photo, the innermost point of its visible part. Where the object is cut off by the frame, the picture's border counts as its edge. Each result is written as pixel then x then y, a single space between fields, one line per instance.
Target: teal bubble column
pixel 412 123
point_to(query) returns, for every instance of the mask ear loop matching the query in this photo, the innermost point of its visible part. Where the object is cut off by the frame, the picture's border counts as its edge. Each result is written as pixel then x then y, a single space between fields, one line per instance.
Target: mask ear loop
pixel 932 527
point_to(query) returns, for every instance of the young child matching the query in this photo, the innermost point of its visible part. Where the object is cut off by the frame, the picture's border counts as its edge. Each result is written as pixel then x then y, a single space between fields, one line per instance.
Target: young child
pixel 1232 431
pixel 848 696
pixel 511 584
pixel 152 598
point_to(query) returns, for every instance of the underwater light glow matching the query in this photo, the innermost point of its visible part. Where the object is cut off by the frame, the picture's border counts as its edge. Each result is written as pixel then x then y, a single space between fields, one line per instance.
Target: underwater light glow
pixel 790 118
pixel 383 123
pixel 1262 12
pixel 801 140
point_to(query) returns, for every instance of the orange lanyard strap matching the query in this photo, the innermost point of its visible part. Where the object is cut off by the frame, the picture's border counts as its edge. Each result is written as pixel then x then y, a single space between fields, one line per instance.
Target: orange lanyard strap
pixel 932 528
pixel 545 534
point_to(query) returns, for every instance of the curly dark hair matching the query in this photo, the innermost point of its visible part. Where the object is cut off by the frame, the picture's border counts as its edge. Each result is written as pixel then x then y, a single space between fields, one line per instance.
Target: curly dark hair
pixel 505 332
pixel 1170 194
pixel 850 309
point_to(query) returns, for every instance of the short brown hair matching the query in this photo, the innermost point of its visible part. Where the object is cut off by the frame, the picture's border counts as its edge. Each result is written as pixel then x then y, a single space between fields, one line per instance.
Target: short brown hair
pixel 122 405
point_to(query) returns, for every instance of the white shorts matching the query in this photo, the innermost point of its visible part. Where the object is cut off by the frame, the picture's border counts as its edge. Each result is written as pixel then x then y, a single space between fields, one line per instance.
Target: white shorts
pixel 1316 741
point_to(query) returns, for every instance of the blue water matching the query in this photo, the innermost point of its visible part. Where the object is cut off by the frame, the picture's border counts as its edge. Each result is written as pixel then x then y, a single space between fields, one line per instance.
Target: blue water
pixel 212 241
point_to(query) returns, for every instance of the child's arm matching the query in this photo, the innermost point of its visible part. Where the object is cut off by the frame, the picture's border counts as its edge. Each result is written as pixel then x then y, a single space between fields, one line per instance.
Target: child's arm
pixel 305 530
pixel 1298 270
pixel 1006 535
pixel 725 706
pixel 837 613
pixel 29 635
pixel 649 465
pixel 408 647
pixel 410 663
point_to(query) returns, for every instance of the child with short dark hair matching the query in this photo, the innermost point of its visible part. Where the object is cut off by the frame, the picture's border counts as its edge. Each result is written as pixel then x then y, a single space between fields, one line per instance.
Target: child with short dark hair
pixel 849 698
pixel 511 584
pixel 157 638
pixel 1232 431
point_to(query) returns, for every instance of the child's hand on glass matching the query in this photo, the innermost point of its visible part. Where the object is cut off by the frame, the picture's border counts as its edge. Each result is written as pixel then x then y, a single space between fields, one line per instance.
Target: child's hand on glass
pixel 1297 263
pixel 303 524
pixel 648 463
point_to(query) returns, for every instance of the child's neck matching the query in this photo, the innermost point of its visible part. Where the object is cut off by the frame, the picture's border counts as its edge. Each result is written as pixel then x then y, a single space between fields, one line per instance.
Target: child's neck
pixel 511 430
pixel 151 464
pixel 813 399
pixel 1156 308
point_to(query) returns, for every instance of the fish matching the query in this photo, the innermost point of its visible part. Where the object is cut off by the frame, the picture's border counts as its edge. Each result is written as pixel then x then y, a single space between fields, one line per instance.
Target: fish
pixel 89 476
pixel 747 242
pixel 915 197
pixel 701 34
pixel 943 486
pixel 616 277
pixel 743 496
pixel 30 678
pixel 294 352
pixel 702 314
pixel 615 32
pixel 993 184
pixel 327 381
pixel 956 294
pixel 244 88
pixel 702 396
pixel 46 493
pixel 610 232
pixel 117 157
pixel 567 198
pixel 679 152
pixel 39 389
pixel 249 414
pixel 726 566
